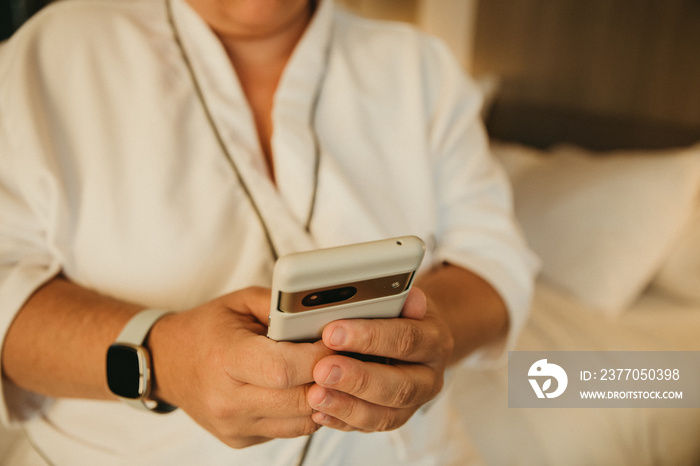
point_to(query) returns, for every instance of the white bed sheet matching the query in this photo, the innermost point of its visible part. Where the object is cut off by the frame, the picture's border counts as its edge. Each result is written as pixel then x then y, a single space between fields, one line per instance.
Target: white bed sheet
pixel 585 436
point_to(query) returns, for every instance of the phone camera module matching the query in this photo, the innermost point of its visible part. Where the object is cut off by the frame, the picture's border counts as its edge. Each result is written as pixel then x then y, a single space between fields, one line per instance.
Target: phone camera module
pixel 335 295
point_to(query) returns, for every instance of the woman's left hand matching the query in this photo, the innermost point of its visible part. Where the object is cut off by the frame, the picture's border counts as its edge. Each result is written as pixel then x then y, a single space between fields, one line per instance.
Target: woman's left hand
pixel 351 394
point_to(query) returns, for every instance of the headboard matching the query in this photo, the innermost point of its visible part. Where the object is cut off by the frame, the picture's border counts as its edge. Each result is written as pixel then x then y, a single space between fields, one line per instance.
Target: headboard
pixel 603 74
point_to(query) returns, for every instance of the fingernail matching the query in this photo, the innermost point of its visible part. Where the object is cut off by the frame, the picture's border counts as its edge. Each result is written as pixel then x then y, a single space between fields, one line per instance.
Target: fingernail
pixel 338 336
pixel 325 402
pixel 333 376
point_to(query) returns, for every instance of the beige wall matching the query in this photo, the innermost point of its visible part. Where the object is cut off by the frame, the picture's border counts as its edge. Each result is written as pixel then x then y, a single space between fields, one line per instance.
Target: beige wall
pixel 638 58
pixel 622 57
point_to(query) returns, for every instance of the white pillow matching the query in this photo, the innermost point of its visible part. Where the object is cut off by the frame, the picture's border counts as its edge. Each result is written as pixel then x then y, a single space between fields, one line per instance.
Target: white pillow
pixel 680 272
pixel 602 223
pixel 488 85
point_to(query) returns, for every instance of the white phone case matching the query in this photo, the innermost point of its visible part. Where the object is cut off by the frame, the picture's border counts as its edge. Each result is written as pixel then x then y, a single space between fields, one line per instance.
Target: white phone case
pixel 378 274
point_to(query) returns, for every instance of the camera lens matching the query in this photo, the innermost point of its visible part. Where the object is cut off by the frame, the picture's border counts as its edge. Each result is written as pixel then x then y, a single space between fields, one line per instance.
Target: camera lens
pixel 335 295
pixel 313 299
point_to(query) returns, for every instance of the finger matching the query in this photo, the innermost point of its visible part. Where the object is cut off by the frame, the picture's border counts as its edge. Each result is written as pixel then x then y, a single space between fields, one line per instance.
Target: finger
pixel 243 404
pixel 255 301
pixel 247 415
pixel 257 360
pixel 263 430
pixel 285 428
pixel 270 403
pixel 341 411
pixel 416 304
pixel 402 339
pixel 326 420
pixel 395 386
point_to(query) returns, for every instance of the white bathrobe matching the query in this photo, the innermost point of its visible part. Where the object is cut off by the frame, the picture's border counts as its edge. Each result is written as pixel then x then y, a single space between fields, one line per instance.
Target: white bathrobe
pixel 111 173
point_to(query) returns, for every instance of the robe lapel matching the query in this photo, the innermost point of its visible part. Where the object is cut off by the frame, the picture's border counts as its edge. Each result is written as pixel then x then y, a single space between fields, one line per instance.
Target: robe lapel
pixel 284 208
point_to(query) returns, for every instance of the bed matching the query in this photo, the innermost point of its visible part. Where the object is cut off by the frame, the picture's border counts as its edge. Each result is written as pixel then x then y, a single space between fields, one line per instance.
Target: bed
pixel 584 436
pixel 618 234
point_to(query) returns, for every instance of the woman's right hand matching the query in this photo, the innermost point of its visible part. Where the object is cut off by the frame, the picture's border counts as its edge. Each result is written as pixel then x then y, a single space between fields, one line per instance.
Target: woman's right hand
pixel 216 364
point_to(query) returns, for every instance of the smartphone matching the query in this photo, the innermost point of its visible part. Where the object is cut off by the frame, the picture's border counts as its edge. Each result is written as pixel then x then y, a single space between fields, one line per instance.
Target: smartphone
pixel 358 281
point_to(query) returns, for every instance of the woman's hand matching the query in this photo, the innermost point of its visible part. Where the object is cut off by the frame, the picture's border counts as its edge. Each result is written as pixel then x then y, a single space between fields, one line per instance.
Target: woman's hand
pixel 351 394
pixel 216 364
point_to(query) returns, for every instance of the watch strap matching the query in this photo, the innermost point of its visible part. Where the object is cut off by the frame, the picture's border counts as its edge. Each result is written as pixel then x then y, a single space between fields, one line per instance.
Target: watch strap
pixel 135 332
pixel 137 329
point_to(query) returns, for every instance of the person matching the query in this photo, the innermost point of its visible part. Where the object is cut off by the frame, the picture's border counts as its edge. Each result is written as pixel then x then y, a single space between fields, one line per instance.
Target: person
pixel 161 154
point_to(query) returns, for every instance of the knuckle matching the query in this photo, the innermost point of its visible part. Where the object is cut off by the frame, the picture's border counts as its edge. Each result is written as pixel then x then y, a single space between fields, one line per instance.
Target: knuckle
pixel 369 339
pixel 220 409
pixel 238 443
pixel 405 394
pixel 308 428
pixel 302 402
pixel 348 410
pixel 447 340
pixel 439 341
pixel 407 341
pixel 390 421
pixel 362 383
pixel 297 428
pixel 277 373
pixel 219 422
pixel 437 386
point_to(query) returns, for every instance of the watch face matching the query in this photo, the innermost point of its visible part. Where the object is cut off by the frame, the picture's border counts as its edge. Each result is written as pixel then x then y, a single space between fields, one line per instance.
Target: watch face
pixel 126 365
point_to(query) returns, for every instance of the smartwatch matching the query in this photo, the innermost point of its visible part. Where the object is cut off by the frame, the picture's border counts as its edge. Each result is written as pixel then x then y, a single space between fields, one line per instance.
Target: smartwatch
pixel 129 370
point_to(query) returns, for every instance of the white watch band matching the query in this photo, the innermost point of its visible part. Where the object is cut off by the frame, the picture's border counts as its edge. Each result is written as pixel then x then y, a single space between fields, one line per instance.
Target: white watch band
pixel 135 333
pixel 136 330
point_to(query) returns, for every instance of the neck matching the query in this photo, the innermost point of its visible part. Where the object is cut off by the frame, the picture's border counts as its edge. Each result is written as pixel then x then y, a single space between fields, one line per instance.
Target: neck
pixel 259 37
pixel 257 33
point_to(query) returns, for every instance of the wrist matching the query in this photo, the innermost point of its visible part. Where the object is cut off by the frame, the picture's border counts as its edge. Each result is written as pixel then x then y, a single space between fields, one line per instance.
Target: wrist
pixel 130 369
pixel 163 344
